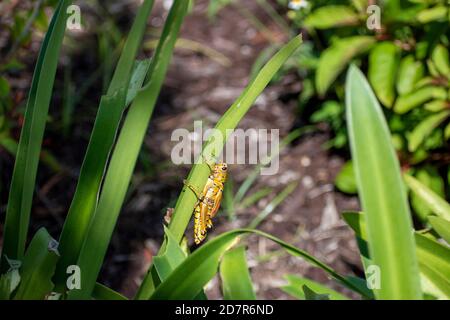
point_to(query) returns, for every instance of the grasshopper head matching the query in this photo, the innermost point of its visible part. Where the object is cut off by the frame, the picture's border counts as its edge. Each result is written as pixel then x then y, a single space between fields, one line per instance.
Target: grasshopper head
pixel 220 171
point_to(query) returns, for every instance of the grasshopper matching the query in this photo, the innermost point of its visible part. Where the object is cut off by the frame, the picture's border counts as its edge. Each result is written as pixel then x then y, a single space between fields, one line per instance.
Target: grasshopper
pixel 208 201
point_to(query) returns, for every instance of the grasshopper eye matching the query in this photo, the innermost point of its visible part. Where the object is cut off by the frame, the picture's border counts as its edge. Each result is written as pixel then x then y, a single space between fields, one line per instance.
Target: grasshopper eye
pixel 224 168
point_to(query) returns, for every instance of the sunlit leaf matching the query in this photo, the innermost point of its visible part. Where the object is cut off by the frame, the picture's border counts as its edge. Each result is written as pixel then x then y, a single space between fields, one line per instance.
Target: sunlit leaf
pixel 441 226
pixel 377 170
pixel 124 157
pixel 418 97
pixel 434 202
pixel 383 64
pixel 335 59
pixel 424 128
pixel 236 280
pixel 331 16
pixel 409 73
pixel 186 281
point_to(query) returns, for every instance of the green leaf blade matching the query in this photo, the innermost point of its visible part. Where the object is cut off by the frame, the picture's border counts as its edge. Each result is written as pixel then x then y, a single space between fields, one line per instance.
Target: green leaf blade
pixel 438 205
pixel 331 16
pixel 441 226
pixel 391 242
pixel 102 139
pixel 27 157
pixel 199 173
pixel 336 58
pixel 125 155
pixel 424 128
pixel 236 280
pixel 383 62
pixel 38 266
pixel 186 281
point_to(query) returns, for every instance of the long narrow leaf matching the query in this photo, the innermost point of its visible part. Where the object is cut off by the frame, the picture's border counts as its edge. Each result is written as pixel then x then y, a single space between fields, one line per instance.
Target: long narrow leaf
pixel 27 158
pixel 229 121
pixel 200 171
pixel 124 157
pixel 383 196
pixel 100 144
pixel 432 200
pixel 186 281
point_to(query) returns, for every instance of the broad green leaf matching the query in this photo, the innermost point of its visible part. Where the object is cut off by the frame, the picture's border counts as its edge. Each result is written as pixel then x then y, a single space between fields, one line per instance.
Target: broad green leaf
pixel 383 63
pixel 436 204
pixel 441 60
pixel 102 292
pixel 295 284
pixel 345 180
pixel 430 177
pixel 331 16
pixel 437 13
pixel 336 58
pixel 424 128
pixel 186 281
pixel 125 155
pixel 441 226
pixel 382 192
pixel 38 267
pixel 102 139
pixel 418 97
pixel 27 157
pixel 236 280
pixel 409 73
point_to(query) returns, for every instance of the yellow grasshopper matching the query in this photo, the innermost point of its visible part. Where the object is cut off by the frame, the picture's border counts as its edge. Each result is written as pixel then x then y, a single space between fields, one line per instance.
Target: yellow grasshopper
pixel 208 201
